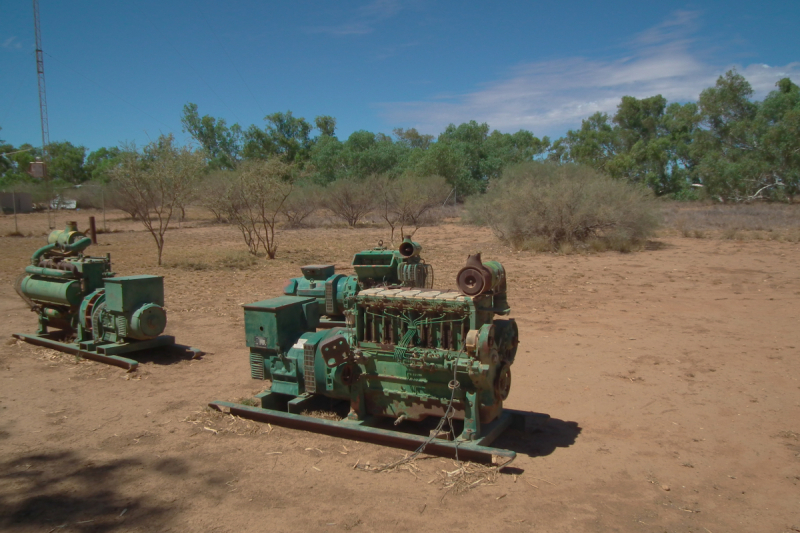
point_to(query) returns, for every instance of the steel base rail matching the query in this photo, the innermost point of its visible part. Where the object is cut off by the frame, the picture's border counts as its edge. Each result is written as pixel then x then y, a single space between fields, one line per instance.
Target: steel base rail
pixel 478 451
pixel 105 353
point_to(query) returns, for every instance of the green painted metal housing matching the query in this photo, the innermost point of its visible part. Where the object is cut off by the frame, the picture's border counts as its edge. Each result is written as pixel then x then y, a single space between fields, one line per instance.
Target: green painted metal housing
pixel 125 294
pixel 80 304
pixel 66 292
pixel 274 325
pixel 386 343
pixel 132 309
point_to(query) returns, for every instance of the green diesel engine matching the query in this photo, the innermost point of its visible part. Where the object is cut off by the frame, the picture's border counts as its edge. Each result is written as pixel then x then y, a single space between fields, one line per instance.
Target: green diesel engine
pixel 84 309
pixel 387 343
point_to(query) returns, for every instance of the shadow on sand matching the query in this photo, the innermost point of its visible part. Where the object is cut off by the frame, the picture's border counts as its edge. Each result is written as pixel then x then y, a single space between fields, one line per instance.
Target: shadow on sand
pixel 50 491
pixel 168 355
pixel 543 438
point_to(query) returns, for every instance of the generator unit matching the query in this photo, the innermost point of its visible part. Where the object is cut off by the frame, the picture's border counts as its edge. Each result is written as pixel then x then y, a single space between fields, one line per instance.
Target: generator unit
pixel 390 346
pixel 84 309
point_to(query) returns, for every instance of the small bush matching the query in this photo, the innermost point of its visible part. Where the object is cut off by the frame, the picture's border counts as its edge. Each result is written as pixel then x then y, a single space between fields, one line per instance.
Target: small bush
pixel 792 235
pixel 564 208
pixel 255 199
pixel 410 201
pixel 90 195
pixel 730 233
pixel 237 261
pixel 304 200
pixel 350 200
pixel 213 194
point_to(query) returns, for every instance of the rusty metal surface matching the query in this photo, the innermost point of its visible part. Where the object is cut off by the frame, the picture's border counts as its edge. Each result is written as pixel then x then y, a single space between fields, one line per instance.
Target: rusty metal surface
pixel 401 350
pixel 122 362
pixel 360 431
pixel 335 350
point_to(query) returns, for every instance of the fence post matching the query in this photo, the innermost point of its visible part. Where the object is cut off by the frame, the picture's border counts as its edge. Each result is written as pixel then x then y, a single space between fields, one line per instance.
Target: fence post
pixel 92 230
pixel 14 201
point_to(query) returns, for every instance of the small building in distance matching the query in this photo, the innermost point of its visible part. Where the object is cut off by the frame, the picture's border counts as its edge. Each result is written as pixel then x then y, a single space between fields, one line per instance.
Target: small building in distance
pixel 23 201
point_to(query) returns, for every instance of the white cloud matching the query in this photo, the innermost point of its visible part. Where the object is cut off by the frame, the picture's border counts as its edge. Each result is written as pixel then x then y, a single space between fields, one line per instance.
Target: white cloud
pixel 548 97
pixel 764 77
pixel 679 26
pixel 364 19
pixel 11 42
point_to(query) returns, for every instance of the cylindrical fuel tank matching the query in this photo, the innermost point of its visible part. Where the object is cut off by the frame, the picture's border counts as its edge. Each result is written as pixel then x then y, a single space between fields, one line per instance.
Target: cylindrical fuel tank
pixel 52 291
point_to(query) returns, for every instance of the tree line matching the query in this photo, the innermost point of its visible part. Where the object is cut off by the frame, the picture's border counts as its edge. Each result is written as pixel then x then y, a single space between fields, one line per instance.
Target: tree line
pixel 724 146
pixel 734 148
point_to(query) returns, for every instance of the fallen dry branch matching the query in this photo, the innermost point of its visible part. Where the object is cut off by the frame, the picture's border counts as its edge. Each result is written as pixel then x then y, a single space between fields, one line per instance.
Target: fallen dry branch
pixel 468 476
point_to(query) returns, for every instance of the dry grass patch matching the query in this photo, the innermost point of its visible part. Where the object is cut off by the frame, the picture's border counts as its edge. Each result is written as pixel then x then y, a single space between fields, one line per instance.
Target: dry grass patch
pixel 762 221
pixel 187 264
pixel 324 415
pixel 237 260
pixel 468 476
pixel 220 424
pixel 54 356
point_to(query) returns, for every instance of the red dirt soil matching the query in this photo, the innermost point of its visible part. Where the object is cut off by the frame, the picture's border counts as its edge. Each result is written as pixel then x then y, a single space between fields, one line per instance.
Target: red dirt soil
pixel 670 375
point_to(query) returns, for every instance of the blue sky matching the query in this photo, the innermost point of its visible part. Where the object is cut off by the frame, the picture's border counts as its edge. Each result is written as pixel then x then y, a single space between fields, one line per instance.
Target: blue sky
pixel 122 71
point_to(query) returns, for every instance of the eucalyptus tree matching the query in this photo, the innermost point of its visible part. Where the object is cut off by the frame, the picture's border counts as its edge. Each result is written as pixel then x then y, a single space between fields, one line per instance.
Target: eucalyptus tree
pixel 222 144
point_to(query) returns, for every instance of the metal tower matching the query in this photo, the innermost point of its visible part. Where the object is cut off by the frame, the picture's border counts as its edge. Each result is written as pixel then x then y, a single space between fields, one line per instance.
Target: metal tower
pixel 42 105
pixel 40 72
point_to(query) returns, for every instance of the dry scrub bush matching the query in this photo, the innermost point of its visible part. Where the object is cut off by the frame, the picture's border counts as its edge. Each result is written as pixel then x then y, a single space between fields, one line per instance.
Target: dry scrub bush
pixel 350 199
pixel 213 194
pixel 154 183
pixel 564 208
pixel 410 201
pixel 255 200
pixel 89 195
pixel 304 201
pixel 116 200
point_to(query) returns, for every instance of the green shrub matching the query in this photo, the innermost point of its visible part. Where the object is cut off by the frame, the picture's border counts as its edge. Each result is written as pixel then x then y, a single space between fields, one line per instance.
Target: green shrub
pixel 564 208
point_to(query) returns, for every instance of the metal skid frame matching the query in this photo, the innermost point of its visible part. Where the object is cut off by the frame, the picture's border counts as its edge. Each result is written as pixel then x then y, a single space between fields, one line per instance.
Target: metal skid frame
pixel 478 450
pixel 107 353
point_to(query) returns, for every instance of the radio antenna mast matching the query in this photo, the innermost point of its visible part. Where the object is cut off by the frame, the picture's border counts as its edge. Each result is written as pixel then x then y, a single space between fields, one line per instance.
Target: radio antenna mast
pixel 42 107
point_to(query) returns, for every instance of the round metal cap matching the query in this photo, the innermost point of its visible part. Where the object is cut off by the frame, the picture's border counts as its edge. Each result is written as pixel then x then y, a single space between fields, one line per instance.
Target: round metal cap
pixel 148 322
pixel 471 281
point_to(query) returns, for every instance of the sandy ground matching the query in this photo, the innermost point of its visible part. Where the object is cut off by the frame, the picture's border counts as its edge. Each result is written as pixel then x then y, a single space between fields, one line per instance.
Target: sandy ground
pixel 671 377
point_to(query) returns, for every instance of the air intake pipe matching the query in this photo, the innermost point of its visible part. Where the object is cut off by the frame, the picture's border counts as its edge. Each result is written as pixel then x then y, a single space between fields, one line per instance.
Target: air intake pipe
pixel 478 278
pixel 68 241
pixel 409 248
